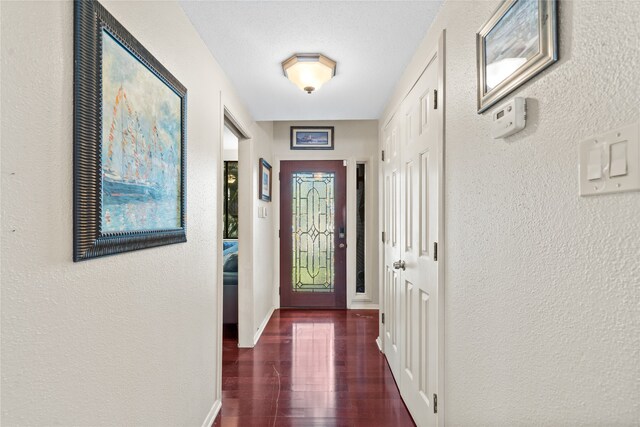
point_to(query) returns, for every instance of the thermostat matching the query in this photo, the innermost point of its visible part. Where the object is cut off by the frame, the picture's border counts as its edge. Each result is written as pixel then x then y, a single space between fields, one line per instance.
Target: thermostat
pixel 510 118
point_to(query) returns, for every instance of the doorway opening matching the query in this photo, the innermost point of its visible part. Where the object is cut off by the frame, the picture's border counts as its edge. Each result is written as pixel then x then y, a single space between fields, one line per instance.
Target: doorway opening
pixel 230 246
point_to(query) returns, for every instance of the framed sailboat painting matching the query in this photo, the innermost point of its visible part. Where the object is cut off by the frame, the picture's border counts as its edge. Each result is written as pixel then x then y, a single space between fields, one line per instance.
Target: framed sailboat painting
pixel 129 141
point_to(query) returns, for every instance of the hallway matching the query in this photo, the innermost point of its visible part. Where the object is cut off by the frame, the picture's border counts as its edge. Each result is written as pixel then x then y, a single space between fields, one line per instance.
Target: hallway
pixel 311 368
pixel 467 171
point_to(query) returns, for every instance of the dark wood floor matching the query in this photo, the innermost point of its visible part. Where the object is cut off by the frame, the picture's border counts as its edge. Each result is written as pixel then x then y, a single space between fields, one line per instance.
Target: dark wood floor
pixel 311 368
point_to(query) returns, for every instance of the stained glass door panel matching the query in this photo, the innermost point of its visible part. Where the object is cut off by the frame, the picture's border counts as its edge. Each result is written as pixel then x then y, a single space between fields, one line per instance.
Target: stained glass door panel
pixel 313 231
pixel 313 234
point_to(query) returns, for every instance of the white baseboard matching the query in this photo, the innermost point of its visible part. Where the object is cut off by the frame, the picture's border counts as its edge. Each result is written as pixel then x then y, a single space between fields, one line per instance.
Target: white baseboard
pixel 258 334
pixel 213 413
pixel 379 342
pixel 361 305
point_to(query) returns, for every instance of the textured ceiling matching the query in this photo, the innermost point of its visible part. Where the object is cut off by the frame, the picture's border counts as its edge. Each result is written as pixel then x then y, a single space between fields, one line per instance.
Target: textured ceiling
pixel 372 42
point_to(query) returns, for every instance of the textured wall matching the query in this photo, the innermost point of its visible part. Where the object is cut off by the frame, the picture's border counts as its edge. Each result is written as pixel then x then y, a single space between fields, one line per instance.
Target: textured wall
pixel 542 286
pixel 124 340
pixel 355 140
pixel 263 232
pixel 255 263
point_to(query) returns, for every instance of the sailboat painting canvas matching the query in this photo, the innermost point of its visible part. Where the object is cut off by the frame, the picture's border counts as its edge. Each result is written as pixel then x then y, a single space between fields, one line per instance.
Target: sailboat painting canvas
pixel 140 145
pixel 129 134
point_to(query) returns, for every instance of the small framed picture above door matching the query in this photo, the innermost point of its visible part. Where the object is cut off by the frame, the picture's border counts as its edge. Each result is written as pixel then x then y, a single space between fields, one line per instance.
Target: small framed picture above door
pixel 264 186
pixel 311 138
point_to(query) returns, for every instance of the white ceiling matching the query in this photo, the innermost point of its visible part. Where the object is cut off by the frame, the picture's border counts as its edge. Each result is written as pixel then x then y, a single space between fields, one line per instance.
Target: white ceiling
pixel 372 42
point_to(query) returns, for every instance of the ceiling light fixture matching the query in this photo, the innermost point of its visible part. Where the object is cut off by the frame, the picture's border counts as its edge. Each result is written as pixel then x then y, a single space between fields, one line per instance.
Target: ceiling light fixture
pixel 309 71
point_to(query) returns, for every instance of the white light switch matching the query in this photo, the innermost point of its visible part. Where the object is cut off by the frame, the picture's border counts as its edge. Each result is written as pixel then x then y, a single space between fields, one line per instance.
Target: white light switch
pixel 610 163
pixel 618 156
pixel 594 168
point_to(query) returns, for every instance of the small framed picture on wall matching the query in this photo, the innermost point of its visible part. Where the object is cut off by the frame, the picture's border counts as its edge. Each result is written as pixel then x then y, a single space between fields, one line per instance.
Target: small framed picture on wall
pixel 264 186
pixel 311 138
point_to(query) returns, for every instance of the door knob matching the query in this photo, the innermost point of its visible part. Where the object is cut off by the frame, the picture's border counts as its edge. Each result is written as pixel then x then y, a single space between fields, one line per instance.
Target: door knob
pixel 399 265
pixel 342 245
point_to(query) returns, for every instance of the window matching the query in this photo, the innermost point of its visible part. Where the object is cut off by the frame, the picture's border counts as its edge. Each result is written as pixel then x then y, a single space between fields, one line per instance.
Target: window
pixel 230 214
pixel 360 263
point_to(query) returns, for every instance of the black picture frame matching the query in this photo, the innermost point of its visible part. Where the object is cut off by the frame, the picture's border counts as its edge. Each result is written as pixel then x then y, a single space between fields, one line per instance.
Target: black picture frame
pixel 264 194
pixel 90 19
pixel 298 132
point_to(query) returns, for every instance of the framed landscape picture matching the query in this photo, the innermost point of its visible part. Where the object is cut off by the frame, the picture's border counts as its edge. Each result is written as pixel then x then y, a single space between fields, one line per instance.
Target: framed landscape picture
pixel 518 42
pixel 311 138
pixel 264 186
pixel 129 141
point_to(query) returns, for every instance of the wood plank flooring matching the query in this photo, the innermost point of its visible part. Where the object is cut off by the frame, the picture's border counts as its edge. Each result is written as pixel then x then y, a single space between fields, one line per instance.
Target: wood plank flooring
pixel 311 368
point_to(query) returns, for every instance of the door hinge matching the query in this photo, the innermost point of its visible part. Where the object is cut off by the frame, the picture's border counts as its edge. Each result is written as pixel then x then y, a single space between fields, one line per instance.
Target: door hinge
pixel 383 318
pixel 435 99
pixel 435 403
pixel 278 176
pixel 383 237
pixel 383 155
pixel 435 251
pixel 278 234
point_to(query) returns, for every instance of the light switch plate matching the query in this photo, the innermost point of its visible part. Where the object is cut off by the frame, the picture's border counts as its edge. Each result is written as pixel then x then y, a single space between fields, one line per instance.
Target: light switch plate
pixel 618 155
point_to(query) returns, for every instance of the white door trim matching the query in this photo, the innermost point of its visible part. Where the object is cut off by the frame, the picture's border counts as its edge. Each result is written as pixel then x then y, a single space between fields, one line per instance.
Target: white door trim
pixel 244 138
pixel 364 301
pixel 245 228
pixel 441 231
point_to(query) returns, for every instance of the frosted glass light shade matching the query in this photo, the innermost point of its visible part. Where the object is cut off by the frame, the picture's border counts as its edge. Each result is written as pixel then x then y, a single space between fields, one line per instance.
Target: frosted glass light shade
pixel 309 71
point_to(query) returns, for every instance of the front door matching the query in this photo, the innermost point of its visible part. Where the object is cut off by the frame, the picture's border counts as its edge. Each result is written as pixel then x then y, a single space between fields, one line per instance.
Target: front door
pixel 313 235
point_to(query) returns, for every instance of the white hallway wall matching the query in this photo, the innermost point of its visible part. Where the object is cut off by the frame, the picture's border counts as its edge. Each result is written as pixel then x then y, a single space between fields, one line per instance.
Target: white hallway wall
pixel 542 286
pixel 256 265
pixel 263 237
pixel 355 141
pixel 230 145
pixel 255 234
pixel 125 340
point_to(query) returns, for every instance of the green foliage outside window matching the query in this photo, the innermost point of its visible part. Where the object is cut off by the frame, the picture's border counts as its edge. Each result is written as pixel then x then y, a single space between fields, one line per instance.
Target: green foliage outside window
pixel 230 214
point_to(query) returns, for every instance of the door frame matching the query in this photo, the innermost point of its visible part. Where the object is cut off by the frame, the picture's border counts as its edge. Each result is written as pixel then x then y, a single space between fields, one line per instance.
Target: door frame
pixel 437 49
pixel 244 299
pixel 371 269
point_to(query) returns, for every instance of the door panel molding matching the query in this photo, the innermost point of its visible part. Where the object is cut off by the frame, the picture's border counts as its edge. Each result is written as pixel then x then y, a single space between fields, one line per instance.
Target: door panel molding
pixel 412 194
